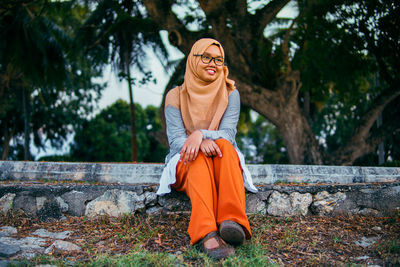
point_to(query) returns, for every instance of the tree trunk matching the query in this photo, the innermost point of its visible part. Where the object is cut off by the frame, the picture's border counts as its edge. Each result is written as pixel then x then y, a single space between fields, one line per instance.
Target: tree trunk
pixel 134 145
pixel 25 103
pixel 282 108
pixel 242 35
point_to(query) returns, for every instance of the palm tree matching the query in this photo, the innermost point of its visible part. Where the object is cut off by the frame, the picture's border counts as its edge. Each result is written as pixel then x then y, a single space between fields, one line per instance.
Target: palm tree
pixel 32 48
pixel 120 30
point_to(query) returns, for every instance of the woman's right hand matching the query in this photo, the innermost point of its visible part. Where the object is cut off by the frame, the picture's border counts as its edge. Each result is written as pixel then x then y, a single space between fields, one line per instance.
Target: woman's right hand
pixel 191 147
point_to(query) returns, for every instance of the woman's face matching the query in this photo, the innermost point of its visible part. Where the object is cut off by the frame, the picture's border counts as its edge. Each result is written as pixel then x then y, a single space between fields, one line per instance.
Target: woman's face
pixel 209 72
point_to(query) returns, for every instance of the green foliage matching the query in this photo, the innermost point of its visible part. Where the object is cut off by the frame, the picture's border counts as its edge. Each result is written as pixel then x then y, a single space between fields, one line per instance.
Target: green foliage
pixel 259 140
pixel 38 60
pixel 107 138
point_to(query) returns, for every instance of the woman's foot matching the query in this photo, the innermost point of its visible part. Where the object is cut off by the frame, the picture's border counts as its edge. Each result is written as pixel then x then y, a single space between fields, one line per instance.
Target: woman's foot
pixel 232 232
pixel 215 247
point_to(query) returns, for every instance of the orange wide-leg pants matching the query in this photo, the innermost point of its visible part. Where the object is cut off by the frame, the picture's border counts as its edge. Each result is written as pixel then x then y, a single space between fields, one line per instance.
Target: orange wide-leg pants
pixel 216 191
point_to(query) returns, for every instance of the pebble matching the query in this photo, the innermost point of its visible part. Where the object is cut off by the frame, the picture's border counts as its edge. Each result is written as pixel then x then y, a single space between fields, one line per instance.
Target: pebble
pixel 377 228
pixel 8 230
pixel 62 245
pixel 45 233
pixel 7 251
pixel 367 242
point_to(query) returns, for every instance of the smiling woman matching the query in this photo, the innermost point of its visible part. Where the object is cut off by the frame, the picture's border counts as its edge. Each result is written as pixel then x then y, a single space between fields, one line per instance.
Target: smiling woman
pixel 204 160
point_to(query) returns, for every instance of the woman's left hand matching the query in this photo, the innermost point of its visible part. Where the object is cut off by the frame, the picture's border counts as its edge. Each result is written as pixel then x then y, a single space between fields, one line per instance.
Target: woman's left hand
pixel 210 148
pixel 191 147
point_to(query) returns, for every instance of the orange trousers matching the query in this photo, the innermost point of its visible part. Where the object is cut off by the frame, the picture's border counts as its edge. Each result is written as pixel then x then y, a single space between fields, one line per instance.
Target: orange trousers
pixel 216 191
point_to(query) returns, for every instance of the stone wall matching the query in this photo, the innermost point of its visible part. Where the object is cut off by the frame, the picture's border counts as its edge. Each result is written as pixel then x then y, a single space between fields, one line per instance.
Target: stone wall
pixel 117 189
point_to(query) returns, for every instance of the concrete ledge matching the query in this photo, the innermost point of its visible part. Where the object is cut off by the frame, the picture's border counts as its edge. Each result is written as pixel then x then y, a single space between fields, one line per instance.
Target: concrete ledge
pixel 126 173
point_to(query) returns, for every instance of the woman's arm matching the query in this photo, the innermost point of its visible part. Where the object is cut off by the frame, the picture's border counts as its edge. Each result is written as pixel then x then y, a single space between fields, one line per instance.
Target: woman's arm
pixel 228 126
pixel 176 131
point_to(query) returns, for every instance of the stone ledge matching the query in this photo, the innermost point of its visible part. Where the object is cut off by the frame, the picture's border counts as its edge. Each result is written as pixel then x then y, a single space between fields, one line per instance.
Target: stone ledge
pixel 48 201
pixel 93 189
pixel 128 173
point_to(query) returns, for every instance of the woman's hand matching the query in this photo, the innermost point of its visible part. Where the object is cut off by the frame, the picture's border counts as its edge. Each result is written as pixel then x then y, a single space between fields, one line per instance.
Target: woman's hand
pixel 210 148
pixel 191 147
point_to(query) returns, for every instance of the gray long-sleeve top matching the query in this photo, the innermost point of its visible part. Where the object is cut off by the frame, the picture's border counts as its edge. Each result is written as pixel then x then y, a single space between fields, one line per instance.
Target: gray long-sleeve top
pixel 176 133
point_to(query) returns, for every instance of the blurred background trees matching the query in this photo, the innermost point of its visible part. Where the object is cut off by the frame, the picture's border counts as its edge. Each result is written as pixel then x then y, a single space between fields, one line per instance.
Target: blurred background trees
pixel 313 86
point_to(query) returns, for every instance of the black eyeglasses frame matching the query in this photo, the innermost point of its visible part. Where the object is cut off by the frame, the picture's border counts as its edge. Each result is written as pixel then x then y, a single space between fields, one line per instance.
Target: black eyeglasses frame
pixel 212 58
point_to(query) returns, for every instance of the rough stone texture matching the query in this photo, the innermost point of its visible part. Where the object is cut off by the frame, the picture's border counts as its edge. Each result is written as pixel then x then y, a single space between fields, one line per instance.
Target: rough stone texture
pixel 300 203
pixel 29 245
pixel 150 198
pixel 6 202
pixel 154 210
pixel 175 202
pixel 45 233
pixel 325 203
pixel 150 173
pixel 50 210
pixel 115 203
pixel 7 251
pixel 62 204
pixel 76 202
pixel 62 245
pixel 8 230
pixel 288 205
pixel 40 202
pixel 25 202
pixel 254 204
pixel 367 241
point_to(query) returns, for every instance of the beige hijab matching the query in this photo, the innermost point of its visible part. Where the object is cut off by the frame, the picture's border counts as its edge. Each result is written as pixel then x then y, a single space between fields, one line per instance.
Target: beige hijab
pixel 202 103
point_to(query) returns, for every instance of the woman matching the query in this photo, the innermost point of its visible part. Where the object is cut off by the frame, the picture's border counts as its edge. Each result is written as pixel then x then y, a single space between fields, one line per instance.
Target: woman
pixel 204 161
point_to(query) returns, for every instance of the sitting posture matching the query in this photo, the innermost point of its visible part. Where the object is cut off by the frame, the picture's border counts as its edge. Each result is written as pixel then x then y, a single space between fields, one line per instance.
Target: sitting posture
pixel 204 160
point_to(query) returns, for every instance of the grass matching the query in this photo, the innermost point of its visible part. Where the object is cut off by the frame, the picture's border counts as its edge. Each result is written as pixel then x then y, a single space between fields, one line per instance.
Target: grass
pixel 162 240
pixel 247 255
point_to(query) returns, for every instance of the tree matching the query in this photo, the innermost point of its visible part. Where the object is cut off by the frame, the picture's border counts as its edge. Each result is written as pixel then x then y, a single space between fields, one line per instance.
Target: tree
pixel 270 71
pixel 105 137
pixel 122 27
pixel 42 77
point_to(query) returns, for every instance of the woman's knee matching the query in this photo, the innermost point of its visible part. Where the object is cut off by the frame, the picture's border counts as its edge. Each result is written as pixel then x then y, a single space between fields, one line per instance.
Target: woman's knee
pixel 224 144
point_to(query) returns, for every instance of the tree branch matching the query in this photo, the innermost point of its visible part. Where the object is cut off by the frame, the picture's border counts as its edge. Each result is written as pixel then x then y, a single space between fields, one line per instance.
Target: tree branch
pixel 266 14
pixel 161 12
pixel 360 142
pixel 285 43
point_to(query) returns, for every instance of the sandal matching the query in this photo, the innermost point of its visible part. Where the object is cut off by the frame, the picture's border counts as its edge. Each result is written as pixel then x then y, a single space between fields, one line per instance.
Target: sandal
pixel 222 251
pixel 232 232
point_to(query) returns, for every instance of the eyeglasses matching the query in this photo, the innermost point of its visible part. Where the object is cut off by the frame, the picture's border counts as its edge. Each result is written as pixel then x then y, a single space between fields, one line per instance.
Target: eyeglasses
pixel 206 59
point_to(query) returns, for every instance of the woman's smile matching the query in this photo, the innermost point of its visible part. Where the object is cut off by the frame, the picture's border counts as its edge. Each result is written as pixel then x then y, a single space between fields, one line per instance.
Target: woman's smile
pixel 209 72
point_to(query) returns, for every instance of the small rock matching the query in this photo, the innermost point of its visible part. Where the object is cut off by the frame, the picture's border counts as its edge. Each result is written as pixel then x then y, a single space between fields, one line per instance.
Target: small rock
pixel 367 241
pixel 27 244
pixel 6 202
pixel 153 210
pixel 45 233
pixel 8 230
pixel 362 258
pixel 368 211
pixel 8 250
pixel 150 198
pixel 377 228
pixel 62 245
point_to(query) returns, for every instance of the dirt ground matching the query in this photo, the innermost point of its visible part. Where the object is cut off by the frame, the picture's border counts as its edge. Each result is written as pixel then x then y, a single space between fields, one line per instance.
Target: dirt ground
pixel 291 241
